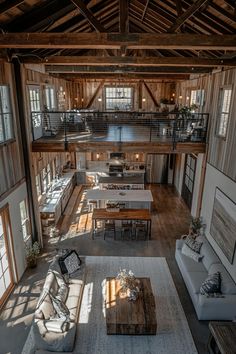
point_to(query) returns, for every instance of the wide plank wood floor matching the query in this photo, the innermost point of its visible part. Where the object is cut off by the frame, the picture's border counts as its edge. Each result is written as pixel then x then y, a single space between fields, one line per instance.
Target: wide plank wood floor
pixel 170 219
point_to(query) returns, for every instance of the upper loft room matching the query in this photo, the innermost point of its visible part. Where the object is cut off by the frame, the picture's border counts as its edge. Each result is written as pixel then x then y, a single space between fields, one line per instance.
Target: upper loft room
pixel 112 73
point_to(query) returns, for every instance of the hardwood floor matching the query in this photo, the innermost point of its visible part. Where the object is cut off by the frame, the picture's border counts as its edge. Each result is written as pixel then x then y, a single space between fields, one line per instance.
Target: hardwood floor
pixel 170 219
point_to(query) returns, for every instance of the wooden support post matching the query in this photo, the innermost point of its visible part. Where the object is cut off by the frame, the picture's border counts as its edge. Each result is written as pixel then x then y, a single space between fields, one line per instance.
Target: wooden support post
pixel 151 94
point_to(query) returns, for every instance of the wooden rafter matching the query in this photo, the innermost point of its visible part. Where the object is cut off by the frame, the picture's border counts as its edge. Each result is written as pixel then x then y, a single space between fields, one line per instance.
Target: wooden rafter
pixel 132 61
pixel 145 10
pixel 9 4
pixel 179 9
pixel 151 94
pixel 88 15
pixel 124 16
pixel 116 40
pixel 95 94
pixel 186 15
pixel 130 76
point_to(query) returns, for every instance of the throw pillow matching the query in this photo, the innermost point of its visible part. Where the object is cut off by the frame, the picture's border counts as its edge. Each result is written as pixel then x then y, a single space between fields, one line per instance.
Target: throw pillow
pixel 70 262
pixel 193 244
pixel 62 293
pixel 212 284
pixel 190 253
pixel 61 309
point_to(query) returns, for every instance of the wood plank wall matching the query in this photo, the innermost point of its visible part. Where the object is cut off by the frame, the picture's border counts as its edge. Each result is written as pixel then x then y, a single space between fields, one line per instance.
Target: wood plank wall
pixel 221 152
pixel 11 159
pixel 82 91
pixel 41 160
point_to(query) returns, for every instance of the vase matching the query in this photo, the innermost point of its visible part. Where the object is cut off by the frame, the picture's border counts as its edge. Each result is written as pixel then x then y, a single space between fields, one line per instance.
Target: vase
pixel 133 294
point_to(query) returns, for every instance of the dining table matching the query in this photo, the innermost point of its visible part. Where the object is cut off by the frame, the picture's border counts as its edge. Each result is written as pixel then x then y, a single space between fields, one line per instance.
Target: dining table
pixel 103 214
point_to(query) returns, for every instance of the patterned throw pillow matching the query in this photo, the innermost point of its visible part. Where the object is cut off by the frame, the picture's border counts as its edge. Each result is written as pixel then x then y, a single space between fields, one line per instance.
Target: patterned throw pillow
pixel 193 244
pixel 70 262
pixel 190 253
pixel 212 284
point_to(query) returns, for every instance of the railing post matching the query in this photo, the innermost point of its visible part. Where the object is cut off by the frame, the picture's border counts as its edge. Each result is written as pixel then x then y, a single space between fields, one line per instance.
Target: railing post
pixel 150 128
pixel 65 133
pixel 174 134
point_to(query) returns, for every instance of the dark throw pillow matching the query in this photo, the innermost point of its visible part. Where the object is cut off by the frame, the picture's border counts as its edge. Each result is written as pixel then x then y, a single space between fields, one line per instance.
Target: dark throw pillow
pixel 70 262
pixel 212 284
pixel 193 244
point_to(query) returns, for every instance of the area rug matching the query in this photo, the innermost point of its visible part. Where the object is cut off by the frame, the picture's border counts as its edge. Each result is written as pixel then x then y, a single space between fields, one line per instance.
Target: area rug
pixel 173 334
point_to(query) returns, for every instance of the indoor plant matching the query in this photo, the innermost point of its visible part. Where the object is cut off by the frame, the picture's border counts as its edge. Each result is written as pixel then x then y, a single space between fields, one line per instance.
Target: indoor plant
pixel 32 252
pixel 196 225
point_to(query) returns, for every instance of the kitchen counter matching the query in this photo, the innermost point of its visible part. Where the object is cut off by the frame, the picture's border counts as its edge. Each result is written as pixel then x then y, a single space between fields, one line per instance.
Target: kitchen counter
pixel 55 193
pixel 121 180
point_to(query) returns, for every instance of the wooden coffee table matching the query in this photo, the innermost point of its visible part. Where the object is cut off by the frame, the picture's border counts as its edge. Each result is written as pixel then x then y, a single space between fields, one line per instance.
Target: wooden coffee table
pixel 130 317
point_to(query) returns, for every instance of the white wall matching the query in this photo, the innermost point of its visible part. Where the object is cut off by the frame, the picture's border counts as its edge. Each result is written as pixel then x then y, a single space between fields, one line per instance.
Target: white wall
pixel 14 200
pixel 213 179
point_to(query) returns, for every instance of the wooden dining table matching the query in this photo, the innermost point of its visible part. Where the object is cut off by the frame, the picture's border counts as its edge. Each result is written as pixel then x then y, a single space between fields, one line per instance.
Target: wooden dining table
pixel 123 214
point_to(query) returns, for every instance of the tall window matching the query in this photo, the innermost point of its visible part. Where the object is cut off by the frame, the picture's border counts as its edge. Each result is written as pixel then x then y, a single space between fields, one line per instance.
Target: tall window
pixel 197 97
pixel 6 128
pixel 119 98
pixel 50 99
pixel 25 223
pixel 224 107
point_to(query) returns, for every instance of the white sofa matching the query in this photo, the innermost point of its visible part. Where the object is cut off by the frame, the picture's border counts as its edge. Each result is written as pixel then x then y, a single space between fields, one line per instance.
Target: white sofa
pixel 194 273
pixel 57 335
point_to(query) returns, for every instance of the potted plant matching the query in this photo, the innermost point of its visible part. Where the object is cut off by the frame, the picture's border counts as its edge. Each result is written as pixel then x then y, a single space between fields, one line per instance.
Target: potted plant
pixel 32 252
pixel 196 225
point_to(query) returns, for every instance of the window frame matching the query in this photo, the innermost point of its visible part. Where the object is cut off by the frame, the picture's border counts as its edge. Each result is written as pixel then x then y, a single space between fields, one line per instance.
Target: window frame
pixel 131 98
pixel 48 97
pixel 8 113
pixel 222 89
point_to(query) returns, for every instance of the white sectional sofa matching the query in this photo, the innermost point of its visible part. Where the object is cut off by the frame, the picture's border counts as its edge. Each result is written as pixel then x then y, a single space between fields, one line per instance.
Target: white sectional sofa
pixel 55 335
pixel 194 273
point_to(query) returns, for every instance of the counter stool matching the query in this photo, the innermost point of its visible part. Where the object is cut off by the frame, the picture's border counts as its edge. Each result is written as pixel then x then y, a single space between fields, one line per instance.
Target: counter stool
pixel 92 205
pixel 109 226
pixel 140 228
pixel 126 228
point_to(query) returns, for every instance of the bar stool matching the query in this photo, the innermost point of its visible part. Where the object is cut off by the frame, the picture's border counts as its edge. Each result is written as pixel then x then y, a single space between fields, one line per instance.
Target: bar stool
pixel 126 228
pixel 92 205
pixel 140 228
pixel 109 226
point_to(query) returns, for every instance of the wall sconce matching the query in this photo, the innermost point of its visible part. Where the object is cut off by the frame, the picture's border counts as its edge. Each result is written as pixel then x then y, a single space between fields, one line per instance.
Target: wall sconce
pixel 144 99
pixel 137 157
pixel 99 99
pixel 82 99
pixel 187 98
pixel 180 97
pixel 98 156
pixel 173 94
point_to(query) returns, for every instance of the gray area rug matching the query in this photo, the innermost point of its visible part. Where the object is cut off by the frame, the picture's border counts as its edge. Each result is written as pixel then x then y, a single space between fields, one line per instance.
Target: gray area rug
pixel 173 333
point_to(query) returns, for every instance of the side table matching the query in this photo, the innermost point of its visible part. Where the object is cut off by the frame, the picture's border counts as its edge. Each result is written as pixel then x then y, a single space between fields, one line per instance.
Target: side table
pixel 222 338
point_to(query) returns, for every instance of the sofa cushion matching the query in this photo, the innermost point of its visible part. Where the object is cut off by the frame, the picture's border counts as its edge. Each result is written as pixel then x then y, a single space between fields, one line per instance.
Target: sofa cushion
pixel 211 285
pixel 51 284
pixel 62 293
pixel 188 264
pixel 190 253
pixel 228 286
pixel 47 308
pixel 195 280
pixel 193 244
pixel 210 256
pixel 73 300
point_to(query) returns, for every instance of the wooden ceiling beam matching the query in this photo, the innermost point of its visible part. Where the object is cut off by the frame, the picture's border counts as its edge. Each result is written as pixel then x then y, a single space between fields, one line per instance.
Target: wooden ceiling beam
pixel 130 76
pixel 8 5
pixel 186 15
pixel 179 9
pixel 116 40
pixel 132 61
pixel 145 10
pixel 124 69
pixel 88 15
pixel 124 16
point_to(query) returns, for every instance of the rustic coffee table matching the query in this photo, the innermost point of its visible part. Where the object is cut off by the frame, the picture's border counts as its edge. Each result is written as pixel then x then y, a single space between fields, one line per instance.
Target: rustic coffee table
pixel 130 317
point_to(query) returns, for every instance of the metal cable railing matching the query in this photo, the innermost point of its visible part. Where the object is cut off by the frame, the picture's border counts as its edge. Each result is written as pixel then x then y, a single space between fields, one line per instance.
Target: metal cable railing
pixel 120 126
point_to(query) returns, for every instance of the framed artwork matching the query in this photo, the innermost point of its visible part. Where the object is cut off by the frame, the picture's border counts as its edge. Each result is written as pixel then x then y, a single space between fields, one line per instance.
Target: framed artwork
pixel 223 224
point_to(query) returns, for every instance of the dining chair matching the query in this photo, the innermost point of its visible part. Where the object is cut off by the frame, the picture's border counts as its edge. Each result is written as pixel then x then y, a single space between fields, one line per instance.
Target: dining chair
pixel 109 227
pixel 126 229
pixel 140 229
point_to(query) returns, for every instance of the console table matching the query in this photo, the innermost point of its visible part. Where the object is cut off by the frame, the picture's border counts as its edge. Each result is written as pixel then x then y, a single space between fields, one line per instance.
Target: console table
pixel 222 338
pixel 130 317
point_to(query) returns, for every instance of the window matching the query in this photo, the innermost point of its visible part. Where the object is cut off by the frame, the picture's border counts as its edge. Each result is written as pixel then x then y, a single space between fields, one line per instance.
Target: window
pixel 197 97
pixel 46 178
pixel 119 98
pixel 38 185
pixel 25 223
pixel 50 100
pixel 34 98
pixel 224 107
pixel 6 128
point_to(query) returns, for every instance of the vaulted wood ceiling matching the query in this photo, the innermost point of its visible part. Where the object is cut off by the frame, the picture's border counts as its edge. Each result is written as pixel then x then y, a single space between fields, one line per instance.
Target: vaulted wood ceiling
pixel 114 37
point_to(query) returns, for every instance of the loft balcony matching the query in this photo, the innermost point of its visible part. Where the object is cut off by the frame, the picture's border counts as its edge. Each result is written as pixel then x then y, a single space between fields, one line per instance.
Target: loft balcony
pixel 90 131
